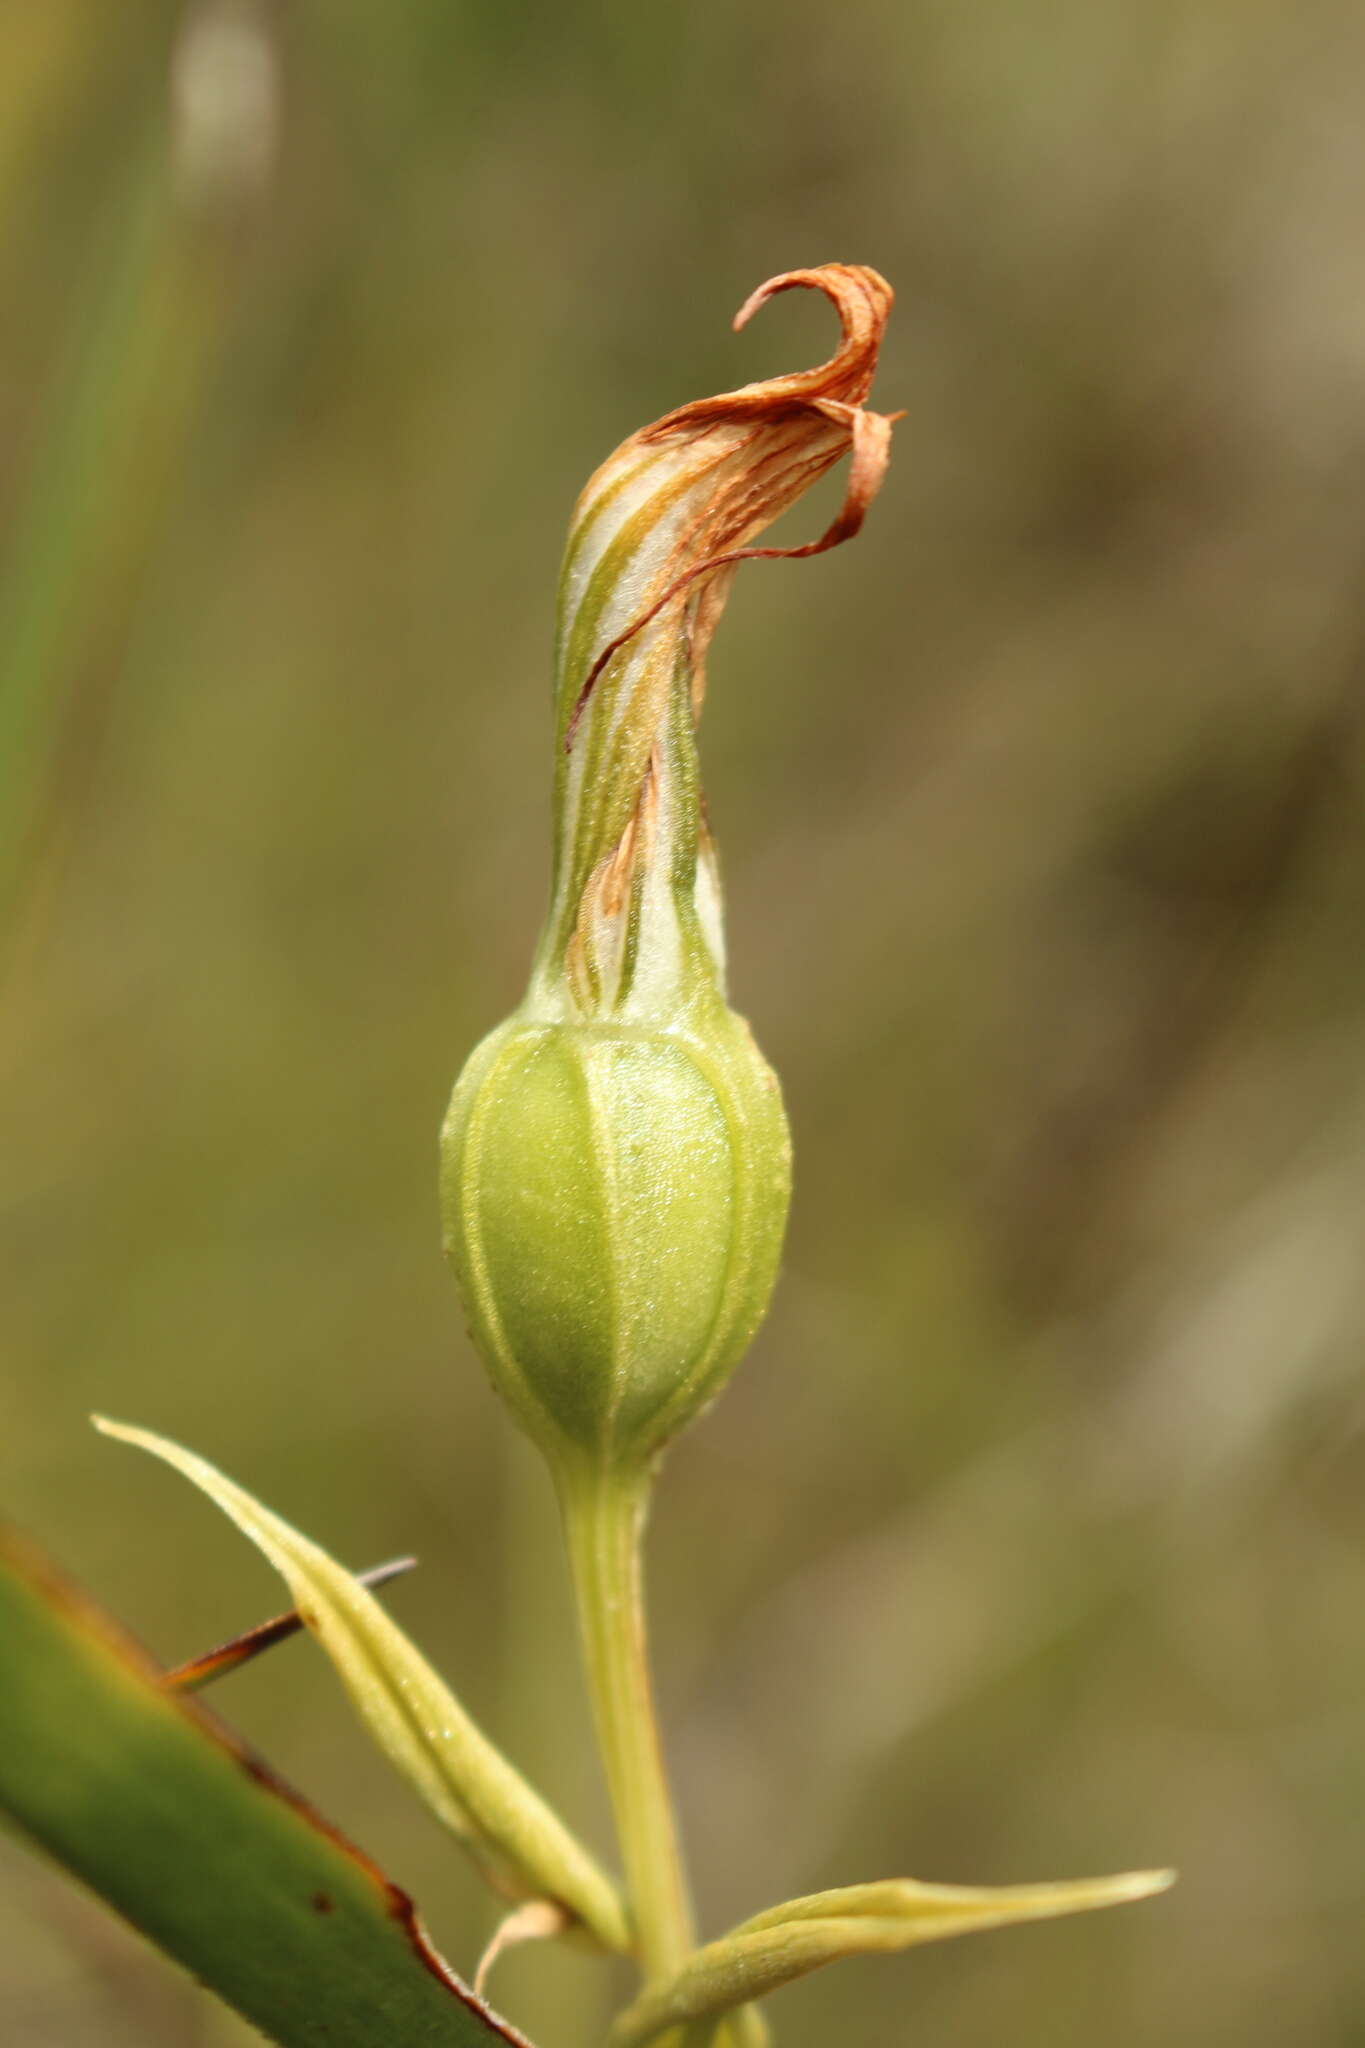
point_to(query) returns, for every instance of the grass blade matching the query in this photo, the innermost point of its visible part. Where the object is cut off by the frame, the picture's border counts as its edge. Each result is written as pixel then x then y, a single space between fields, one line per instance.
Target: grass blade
pixel 147 1799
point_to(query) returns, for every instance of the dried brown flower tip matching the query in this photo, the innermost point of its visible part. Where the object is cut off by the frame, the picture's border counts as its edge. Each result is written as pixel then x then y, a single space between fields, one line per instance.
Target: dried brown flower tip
pixel 759 447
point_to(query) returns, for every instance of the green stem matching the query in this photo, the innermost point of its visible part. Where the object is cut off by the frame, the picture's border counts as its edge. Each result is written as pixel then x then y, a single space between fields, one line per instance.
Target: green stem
pixel 745 2027
pixel 603 1518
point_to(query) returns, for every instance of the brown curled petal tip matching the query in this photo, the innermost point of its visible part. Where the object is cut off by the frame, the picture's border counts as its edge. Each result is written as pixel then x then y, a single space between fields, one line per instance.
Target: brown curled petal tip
pixel 871 433
pixel 861 297
pixel 787 412
pixel 863 300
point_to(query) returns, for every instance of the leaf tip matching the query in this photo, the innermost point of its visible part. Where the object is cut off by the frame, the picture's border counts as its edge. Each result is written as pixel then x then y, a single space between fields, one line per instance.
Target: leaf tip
pixel 1141 1884
pixel 125 1433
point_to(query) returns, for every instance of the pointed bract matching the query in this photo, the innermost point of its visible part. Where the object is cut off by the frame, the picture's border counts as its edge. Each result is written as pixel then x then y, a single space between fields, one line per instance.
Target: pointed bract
pixel 521 1846
pixel 788 1941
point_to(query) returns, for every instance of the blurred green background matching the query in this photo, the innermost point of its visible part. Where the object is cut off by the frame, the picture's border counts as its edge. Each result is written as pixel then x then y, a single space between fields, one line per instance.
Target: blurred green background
pixel 1031 1540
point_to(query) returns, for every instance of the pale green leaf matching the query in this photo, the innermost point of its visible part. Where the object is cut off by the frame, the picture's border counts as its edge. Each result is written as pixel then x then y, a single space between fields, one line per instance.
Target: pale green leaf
pixel 787 1941
pixel 518 1841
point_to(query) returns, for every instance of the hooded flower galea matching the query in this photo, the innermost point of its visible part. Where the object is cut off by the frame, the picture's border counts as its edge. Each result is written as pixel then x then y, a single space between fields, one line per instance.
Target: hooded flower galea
pixel 616 1164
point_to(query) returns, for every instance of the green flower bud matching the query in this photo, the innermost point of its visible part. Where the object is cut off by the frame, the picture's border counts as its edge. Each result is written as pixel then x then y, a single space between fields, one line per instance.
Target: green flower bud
pixel 616 1162
pixel 616 1200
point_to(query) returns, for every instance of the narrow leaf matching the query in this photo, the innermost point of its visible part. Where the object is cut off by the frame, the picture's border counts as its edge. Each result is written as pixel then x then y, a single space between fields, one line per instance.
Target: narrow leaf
pixel 936 1911
pixel 108 448
pixel 146 1797
pixel 518 1841
pixel 787 1941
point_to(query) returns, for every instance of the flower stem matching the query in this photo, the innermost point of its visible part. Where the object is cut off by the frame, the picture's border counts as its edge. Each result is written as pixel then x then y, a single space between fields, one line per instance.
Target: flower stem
pixel 604 1515
pixel 745 2027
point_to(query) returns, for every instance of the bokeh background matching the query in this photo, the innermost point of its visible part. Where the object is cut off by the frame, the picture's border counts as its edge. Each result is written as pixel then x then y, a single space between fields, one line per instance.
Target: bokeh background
pixel 1031 1539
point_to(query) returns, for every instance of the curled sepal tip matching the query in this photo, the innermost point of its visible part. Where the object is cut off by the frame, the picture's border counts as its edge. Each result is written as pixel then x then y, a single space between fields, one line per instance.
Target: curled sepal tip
pixel 797 410
pixel 788 1941
pixel 519 1843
